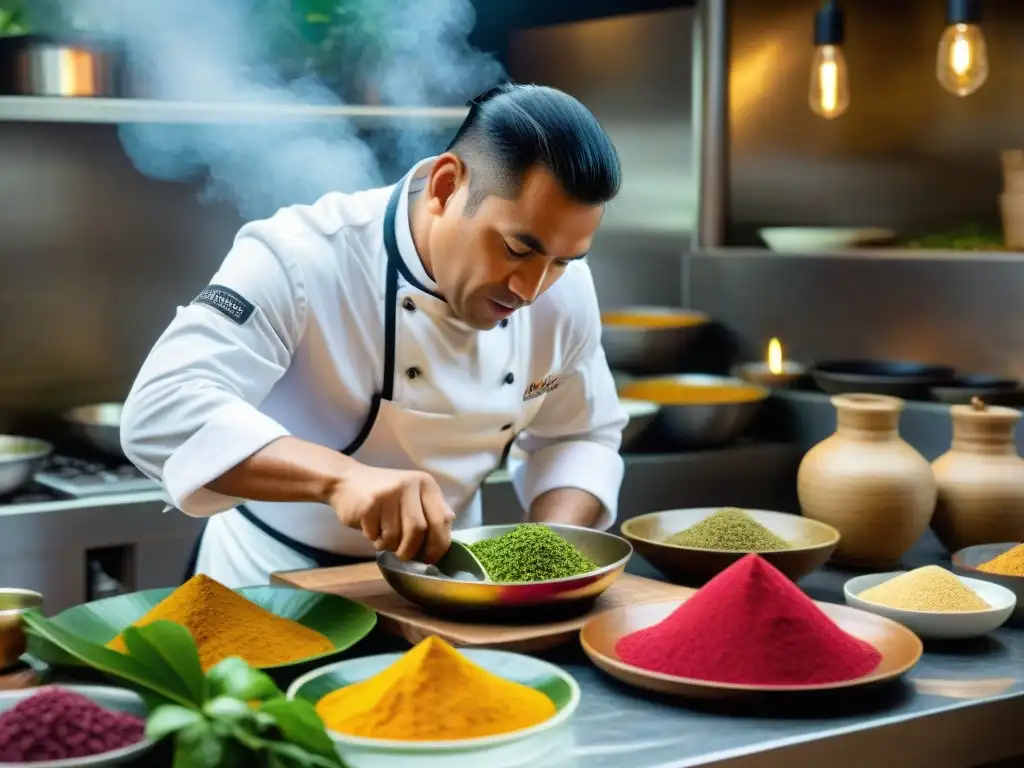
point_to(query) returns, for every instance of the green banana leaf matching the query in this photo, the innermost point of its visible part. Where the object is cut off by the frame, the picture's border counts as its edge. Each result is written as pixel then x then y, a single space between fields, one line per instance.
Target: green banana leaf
pixel 340 620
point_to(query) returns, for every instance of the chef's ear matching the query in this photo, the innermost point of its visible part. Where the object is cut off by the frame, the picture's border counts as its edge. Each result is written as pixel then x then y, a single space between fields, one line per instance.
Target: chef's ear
pixel 446 176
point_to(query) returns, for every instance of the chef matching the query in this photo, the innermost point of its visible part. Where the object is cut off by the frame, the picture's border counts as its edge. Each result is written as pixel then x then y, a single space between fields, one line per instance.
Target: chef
pixel 357 367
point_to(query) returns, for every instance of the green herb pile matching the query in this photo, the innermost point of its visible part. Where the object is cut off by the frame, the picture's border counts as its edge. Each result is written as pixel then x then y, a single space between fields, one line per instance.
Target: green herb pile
pixel 231 717
pixel 729 529
pixel 530 552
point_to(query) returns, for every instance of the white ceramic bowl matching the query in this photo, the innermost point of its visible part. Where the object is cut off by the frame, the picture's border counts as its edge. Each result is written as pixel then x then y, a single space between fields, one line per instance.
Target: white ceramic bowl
pixel 518 748
pixel 938 625
pixel 810 239
pixel 119 699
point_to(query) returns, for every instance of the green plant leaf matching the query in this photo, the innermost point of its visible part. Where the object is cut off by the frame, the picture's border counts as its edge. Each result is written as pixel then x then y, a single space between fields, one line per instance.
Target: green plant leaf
pixel 233 677
pixel 168 649
pixel 281 753
pixel 300 724
pixel 169 688
pixel 165 720
pixel 228 709
pixel 198 746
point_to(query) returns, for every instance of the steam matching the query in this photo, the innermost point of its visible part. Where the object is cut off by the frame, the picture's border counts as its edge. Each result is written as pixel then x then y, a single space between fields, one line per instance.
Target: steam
pixel 410 52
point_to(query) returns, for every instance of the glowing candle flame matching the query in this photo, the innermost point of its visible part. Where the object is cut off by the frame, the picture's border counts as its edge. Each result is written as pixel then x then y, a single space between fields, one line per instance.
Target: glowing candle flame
pixel 775 356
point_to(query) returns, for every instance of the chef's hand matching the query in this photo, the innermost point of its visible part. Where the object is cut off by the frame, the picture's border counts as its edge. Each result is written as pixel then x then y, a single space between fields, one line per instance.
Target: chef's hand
pixel 398 510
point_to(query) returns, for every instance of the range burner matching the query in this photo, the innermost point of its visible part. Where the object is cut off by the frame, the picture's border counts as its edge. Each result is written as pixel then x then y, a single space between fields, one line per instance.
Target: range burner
pixel 33 493
pixel 89 476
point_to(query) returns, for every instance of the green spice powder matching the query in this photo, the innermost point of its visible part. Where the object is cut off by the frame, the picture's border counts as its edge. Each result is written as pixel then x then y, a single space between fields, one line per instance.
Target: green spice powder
pixel 530 552
pixel 731 530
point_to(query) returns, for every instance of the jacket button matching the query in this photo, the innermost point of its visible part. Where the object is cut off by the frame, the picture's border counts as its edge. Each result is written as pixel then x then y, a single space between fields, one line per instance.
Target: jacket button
pixel 413 372
pixel 509 378
pixel 408 304
pixel 504 323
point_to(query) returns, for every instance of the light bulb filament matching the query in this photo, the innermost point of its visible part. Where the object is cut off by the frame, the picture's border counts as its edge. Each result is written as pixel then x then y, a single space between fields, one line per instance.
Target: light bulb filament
pixel 961 56
pixel 830 91
pixel 829 75
pixel 962 65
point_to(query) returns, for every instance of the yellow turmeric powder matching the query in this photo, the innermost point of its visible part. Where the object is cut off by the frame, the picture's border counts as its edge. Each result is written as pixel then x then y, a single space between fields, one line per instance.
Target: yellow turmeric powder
pixel 1010 563
pixel 223 624
pixel 433 693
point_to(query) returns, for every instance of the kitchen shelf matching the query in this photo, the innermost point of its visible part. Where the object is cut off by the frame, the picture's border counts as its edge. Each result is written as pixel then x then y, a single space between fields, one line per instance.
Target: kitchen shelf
pixel 48 109
pixel 863 254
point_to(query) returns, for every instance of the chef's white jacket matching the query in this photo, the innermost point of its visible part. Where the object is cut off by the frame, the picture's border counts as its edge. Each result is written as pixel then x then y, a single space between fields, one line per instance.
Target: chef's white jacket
pixel 288 339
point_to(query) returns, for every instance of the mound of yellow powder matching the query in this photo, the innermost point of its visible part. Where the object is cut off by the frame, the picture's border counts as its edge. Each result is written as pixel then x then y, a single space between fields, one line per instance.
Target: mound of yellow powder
pixel 433 693
pixel 223 624
pixel 1010 563
pixel 930 588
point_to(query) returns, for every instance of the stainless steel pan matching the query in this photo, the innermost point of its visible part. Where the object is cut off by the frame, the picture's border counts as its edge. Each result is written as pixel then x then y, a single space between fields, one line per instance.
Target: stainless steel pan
pixel 98 425
pixel 20 459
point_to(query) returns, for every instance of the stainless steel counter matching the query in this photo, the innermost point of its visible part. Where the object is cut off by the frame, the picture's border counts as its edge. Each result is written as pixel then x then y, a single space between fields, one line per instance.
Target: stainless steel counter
pixel 961 706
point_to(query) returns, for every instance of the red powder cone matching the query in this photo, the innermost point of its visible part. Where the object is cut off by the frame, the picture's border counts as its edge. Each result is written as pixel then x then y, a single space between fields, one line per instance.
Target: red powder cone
pixel 750 625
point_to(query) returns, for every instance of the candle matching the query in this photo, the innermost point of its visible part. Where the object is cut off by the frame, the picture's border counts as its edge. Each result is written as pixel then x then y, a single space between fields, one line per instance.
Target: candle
pixel 775 357
pixel 775 371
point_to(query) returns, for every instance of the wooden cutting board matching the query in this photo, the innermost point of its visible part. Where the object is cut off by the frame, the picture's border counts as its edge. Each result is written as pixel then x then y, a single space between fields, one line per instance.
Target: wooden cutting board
pixel 364 584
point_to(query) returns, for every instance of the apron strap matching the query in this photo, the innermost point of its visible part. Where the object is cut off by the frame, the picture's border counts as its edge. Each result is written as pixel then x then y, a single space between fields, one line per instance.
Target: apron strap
pixel 321 557
pixel 390 293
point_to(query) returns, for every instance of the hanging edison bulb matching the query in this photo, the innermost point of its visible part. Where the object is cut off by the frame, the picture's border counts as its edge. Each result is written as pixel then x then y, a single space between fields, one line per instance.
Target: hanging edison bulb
pixel 830 88
pixel 962 63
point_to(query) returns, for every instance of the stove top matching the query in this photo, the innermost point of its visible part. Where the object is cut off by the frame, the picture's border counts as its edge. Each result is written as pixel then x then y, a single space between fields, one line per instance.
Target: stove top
pixel 32 493
pixel 88 476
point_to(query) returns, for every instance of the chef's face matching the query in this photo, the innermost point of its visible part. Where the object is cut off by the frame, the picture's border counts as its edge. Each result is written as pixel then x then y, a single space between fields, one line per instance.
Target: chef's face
pixel 506 253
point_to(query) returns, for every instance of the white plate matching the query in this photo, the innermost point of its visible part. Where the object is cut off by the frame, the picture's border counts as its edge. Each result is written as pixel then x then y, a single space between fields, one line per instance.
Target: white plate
pixel 938 625
pixel 119 699
pixel 501 751
pixel 808 239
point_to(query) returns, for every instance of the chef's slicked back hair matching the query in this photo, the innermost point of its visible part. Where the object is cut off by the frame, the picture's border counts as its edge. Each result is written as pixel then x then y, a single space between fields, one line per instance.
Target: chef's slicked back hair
pixel 513 128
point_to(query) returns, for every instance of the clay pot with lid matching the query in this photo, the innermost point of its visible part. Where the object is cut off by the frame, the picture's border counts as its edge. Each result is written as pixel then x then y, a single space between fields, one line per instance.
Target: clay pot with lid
pixel 868 483
pixel 980 479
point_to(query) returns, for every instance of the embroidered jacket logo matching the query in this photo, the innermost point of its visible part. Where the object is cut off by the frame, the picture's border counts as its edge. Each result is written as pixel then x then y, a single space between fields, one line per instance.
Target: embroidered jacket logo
pixel 538 388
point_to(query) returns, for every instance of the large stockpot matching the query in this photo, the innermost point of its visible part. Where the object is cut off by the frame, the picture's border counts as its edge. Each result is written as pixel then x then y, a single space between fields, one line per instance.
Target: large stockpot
pixel 34 65
pixel 642 340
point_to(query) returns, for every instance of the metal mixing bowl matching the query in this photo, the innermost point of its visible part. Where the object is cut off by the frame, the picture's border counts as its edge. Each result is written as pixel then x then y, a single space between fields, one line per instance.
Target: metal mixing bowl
pixel 99 425
pixel 700 421
pixel 641 414
pixel 14 603
pixel 20 459
pixel 634 347
pixel 533 601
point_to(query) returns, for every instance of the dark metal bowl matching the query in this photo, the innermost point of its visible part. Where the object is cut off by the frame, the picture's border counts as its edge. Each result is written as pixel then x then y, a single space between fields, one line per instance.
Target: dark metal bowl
pixel 636 342
pixel 897 378
pixel 992 389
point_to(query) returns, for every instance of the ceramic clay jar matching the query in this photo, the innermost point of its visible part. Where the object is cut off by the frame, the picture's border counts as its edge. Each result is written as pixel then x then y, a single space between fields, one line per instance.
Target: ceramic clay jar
pixel 868 483
pixel 980 479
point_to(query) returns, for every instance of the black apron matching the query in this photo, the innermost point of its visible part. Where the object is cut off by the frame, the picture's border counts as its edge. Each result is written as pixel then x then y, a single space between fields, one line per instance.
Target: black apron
pixel 321 557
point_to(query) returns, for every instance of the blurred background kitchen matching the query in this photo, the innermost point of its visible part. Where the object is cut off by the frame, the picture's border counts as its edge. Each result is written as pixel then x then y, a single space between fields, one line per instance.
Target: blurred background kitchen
pixel 136 137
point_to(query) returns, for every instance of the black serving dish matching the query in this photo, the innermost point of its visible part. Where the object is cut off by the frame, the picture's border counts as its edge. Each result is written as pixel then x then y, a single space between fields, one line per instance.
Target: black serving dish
pixel 994 390
pixel 908 380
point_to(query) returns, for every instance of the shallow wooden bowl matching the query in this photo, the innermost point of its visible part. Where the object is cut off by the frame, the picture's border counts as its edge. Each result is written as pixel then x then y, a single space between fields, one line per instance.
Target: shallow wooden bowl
pixel 900 649
pixel 813 543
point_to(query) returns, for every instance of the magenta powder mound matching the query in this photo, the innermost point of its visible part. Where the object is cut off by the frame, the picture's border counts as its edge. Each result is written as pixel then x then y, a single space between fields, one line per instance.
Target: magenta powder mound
pixel 56 724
